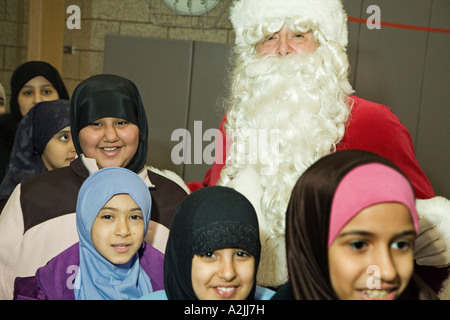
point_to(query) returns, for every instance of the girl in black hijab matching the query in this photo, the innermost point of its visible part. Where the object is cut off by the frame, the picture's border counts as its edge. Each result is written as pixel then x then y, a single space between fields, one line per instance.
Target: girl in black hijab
pixel 35 130
pixel 105 96
pixel 9 122
pixel 209 220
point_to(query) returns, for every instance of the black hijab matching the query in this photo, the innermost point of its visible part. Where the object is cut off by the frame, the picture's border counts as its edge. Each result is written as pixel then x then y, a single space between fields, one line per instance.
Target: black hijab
pixel 28 71
pixel 35 130
pixel 107 95
pixel 10 121
pixel 209 219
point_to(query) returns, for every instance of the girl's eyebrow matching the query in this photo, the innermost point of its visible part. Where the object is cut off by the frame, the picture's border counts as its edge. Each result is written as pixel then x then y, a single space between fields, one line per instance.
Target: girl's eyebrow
pixel 42 86
pixel 355 232
pixel 63 131
pixel 370 234
pixel 115 209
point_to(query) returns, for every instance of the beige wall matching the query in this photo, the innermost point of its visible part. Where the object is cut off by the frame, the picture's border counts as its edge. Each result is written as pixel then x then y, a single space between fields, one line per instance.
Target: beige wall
pixel 130 17
pixel 149 18
pixel 13 38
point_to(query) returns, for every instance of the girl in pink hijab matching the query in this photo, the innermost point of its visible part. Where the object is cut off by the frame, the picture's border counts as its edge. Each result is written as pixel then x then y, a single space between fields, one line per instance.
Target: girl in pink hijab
pixel 350 229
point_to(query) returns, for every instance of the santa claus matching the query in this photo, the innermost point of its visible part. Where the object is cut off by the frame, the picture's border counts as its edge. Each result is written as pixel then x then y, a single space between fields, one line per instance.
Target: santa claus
pixel 290 104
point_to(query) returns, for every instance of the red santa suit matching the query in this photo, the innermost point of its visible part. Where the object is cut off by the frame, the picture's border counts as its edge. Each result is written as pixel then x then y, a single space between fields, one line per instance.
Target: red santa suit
pixel 372 127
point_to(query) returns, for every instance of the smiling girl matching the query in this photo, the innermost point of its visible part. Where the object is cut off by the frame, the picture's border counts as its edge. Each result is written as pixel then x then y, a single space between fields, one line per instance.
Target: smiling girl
pixel 213 249
pixel 112 260
pixel 350 229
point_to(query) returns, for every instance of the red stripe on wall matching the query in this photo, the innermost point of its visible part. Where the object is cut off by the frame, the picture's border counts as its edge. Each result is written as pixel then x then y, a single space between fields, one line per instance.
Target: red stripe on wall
pixel 401 26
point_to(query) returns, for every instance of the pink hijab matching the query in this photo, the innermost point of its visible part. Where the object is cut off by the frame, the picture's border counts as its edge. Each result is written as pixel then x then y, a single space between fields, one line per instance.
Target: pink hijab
pixel 365 186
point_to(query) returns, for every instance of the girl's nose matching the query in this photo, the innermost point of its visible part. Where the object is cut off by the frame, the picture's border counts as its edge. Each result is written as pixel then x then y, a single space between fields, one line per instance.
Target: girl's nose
pixel 387 268
pixel 227 270
pixel 110 134
pixel 122 229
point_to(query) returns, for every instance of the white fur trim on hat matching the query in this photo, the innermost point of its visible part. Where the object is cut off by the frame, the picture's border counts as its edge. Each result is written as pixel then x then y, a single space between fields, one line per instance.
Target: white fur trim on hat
pixel 328 16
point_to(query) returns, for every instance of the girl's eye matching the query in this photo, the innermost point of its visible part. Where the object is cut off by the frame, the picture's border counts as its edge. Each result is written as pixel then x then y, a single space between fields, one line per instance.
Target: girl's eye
pixel 47 92
pixel 207 255
pixel 122 123
pixel 402 245
pixel 358 245
pixel 64 138
pixel 107 217
pixel 95 124
pixel 243 254
pixel 136 217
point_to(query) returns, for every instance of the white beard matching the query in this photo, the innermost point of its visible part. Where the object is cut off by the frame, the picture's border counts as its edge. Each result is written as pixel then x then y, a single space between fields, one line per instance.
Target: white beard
pixel 286 113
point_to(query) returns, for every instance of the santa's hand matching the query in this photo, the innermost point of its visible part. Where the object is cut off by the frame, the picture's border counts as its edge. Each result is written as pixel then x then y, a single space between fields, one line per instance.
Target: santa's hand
pixel 432 245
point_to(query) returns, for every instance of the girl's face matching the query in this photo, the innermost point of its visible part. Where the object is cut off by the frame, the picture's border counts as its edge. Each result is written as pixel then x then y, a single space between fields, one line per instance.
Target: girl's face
pixel 2 104
pixel 34 91
pixel 286 42
pixel 225 274
pixel 372 256
pixel 113 142
pixel 59 151
pixel 118 230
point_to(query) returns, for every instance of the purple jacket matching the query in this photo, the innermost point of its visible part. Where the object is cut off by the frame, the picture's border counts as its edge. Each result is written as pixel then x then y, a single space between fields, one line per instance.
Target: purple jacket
pixel 54 281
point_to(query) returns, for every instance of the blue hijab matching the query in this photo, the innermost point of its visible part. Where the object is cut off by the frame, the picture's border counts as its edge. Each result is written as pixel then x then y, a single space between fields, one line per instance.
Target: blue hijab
pixel 98 278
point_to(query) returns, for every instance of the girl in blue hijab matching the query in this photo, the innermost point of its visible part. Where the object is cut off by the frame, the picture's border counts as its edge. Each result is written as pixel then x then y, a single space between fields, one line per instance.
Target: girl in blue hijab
pixel 98 277
pixel 113 213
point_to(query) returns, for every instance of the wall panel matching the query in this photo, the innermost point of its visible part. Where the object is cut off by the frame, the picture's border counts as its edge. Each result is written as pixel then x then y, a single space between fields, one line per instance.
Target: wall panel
pixel 161 70
pixel 433 134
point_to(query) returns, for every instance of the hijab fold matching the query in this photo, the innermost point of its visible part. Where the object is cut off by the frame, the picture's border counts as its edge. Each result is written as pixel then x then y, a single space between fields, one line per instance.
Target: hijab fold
pixel 98 278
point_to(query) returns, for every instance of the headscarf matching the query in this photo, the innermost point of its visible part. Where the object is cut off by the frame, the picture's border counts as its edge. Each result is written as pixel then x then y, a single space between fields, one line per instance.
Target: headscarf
pixel 98 278
pixel 28 71
pixel 308 215
pixel 35 130
pixel 209 219
pixel 104 96
pixel 365 186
